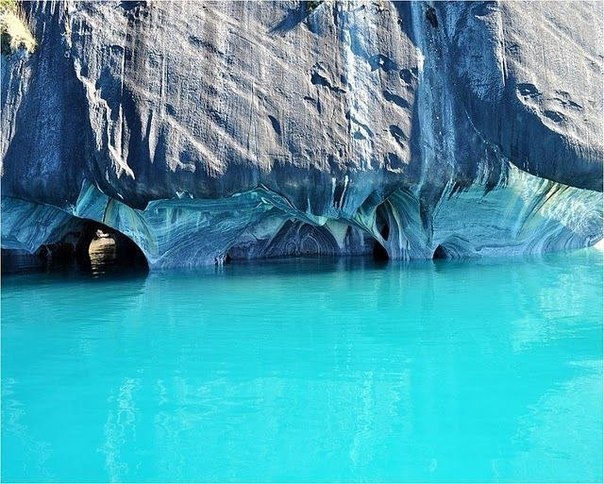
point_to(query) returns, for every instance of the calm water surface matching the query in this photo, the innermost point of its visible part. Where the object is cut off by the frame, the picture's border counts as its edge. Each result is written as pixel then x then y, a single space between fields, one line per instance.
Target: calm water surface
pixel 307 370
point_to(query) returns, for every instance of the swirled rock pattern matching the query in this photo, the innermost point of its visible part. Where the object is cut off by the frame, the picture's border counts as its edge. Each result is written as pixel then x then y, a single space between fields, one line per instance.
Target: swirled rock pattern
pixel 208 131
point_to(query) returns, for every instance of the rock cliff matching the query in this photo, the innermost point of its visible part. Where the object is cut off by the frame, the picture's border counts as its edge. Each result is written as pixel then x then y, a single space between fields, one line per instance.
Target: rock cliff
pixel 205 131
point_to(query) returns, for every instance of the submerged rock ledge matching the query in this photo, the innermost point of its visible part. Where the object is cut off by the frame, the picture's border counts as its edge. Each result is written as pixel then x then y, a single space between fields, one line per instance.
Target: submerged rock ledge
pixel 222 130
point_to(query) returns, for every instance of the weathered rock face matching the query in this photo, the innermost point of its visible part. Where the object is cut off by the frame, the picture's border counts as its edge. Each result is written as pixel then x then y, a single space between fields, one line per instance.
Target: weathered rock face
pixel 208 130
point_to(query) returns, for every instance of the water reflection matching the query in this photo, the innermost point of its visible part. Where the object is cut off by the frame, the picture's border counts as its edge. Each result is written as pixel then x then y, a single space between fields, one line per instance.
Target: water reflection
pixel 455 371
pixel 569 413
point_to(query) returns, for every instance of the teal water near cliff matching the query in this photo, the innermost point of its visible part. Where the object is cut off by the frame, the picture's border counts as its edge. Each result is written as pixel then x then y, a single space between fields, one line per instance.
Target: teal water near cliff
pixel 307 370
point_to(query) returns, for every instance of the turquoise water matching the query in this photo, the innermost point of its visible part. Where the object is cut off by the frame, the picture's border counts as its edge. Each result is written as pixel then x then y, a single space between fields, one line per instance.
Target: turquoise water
pixel 307 370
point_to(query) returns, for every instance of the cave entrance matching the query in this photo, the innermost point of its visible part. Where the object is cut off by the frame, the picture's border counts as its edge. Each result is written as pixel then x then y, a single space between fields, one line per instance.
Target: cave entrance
pixel 440 253
pixel 380 253
pixel 91 246
pixel 101 248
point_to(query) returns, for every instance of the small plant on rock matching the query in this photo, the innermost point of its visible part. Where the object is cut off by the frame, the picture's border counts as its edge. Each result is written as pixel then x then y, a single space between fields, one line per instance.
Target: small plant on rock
pixel 312 5
pixel 14 32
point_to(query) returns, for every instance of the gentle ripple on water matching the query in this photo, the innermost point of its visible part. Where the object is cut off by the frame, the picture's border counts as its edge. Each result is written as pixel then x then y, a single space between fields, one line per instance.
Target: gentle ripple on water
pixel 307 370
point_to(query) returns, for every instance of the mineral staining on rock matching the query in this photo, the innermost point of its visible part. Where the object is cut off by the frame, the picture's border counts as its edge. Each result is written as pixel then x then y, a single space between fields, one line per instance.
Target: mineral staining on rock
pixel 224 130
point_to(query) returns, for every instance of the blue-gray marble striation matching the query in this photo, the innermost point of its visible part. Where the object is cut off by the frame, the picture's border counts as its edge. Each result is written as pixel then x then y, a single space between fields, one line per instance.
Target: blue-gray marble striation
pixel 207 131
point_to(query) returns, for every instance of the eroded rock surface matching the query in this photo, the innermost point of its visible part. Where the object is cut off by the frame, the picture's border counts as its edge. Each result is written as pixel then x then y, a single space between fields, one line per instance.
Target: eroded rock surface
pixel 214 130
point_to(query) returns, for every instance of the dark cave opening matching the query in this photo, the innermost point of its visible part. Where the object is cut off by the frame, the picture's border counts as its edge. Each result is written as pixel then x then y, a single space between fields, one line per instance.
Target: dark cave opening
pixel 380 254
pixel 102 247
pixel 379 251
pixel 381 221
pixel 385 231
pixel 87 246
pixel 440 253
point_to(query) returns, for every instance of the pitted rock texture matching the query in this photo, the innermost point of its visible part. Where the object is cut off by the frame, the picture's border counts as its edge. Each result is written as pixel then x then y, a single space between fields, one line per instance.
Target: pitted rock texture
pixel 214 130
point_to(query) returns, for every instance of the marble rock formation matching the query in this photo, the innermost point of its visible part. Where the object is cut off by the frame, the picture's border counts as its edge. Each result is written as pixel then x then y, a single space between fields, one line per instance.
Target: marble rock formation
pixel 208 131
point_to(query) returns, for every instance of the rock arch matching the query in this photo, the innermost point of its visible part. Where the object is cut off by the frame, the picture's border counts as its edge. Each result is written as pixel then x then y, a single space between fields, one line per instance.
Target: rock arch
pixel 297 238
pixel 76 242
